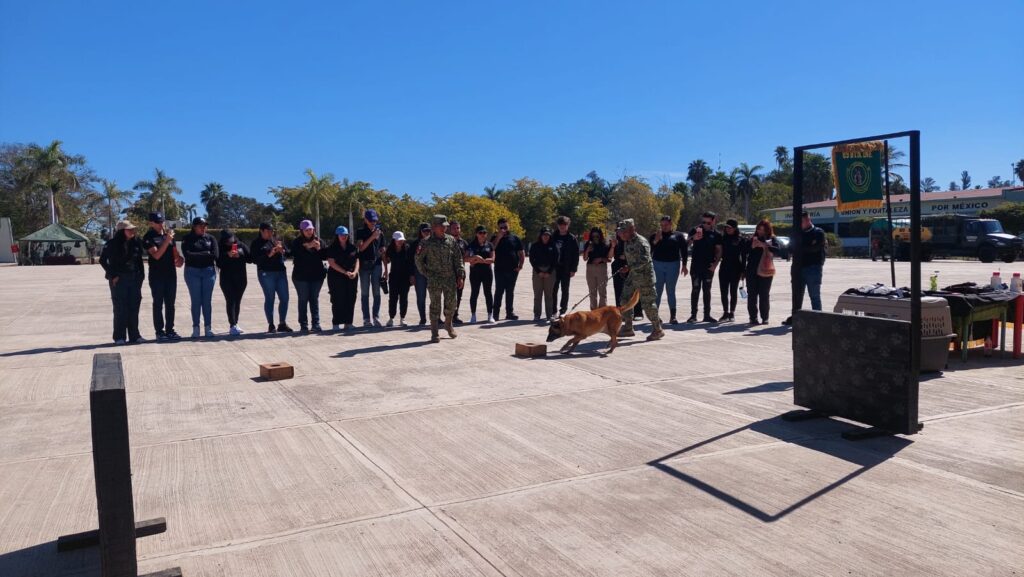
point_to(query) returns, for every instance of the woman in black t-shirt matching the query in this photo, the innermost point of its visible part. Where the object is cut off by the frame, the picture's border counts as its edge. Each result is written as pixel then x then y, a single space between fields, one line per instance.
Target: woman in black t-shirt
pixel 543 259
pixel 233 278
pixel 597 254
pixel 481 258
pixel 342 278
pixel 397 272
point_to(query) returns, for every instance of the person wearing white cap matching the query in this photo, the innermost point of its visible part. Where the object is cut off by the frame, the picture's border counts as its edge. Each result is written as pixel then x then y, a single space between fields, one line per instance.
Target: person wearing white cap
pixel 397 271
pixel 308 274
pixel 122 262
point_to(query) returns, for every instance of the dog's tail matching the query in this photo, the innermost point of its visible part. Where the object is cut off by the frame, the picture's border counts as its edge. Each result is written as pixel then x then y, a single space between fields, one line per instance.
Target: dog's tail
pixel 631 303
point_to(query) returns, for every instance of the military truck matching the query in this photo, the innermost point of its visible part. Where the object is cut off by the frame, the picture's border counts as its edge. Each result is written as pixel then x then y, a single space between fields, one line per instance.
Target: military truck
pixel 881 245
pixel 970 236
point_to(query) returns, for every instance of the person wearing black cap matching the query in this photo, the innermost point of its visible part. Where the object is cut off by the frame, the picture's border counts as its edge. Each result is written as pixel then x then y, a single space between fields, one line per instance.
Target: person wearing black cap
pixel 597 253
pixel 731 269
pixel 480 259
pixel 268 253
pixel 163 276
pixel 668 249
pixel 707 252
pixel 370 244
pixel 544 261
pixel 231 261
pixel 568 261
pixel 417 278
pixel 122 262
pixel 201 253
pixel 509 257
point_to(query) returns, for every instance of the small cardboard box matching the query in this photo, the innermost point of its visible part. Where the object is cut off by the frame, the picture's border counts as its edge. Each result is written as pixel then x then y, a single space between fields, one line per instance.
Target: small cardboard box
pixel 276 371
pixel 531 349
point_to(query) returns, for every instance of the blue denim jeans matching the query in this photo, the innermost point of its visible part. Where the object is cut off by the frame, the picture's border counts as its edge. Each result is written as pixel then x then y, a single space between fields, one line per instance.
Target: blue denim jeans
pixel 810 279
pixel 200 283
pixel 274 282
pixel 309 296
pixel 370 276
pixel 666 274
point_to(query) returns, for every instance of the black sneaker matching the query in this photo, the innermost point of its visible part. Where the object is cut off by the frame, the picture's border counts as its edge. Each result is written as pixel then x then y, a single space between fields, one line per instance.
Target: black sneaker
pixel 283 328
pixel 710 319
pixel 753 322
pixel 511 317
pixel 673 321
pixel 788 321
pixel 423 322
pixel 692 319
pixel 317 329
pixel 457 321
pixel 161 337
pixel 304 329
pixel 271 328
pixel 172 335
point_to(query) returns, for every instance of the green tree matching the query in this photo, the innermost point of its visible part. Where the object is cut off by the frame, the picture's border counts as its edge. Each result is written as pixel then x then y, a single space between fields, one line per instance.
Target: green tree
pixel 215 199
pixel 698 173
pixel 471 211
pixel 60 174
pixel 998 182
pixel 633 198
pixel 953 185
pixel 817 177
pixel 682 189
pixel 583 208
pixel 318 190
pixel 535 204
pixel 928 184
pixel 768 196
pixel 781 157
pixel 671 202
pixel 1018 169
pixel 493 192
pixel 115 199
pixel 1011 214
pixel 748 182
pixel 965 180
pixel 159 193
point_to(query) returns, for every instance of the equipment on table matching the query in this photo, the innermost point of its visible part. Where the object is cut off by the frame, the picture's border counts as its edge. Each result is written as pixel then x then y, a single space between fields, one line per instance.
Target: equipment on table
pixel 1016 284
pixel 996 281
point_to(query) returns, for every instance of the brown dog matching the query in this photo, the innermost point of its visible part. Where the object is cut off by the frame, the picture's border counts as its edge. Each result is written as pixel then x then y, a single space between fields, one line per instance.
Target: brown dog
pixel 588 323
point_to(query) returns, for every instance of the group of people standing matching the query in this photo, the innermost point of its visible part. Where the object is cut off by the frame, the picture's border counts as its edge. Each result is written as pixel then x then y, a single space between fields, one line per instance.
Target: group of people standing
pixel 366 264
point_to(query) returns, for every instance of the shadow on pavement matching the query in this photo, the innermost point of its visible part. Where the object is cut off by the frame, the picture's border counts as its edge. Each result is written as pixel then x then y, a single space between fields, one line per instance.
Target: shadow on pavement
pixel 381 348
pixel 43 559
pixel 775 387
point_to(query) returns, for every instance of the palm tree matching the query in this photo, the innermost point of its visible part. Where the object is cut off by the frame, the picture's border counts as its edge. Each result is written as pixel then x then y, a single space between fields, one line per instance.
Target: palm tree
pixel 213 196
pixel 965 180
pixel 781 156
pixel 114 196
pixel 747 185
pixel 953 185
pixel 159 193
pixel 698 173
pixel 317 190
pixel 190 211
pixel 493 192
pixel 928 184
pixel 1018 169
pixel 50 168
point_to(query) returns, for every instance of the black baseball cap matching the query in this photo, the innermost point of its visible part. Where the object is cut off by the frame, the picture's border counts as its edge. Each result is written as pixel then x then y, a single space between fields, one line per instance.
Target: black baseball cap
pixel 424 226
pixel 480 229
pixel 266 226
pixel 198 221
pixel 666 218
pixel 156 217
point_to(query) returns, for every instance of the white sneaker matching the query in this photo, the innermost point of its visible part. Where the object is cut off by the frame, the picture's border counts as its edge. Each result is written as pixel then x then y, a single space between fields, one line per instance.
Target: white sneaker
pixel 335 327
pixel 239 331
pixel 209 332
pixel 391 322
pixel 490 319
pixel 401 322
pixel 233 331
pixel 195 332
pixel 472 318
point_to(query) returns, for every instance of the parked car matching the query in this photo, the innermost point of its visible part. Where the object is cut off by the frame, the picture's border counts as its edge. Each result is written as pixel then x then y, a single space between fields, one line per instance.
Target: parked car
pixel 783 246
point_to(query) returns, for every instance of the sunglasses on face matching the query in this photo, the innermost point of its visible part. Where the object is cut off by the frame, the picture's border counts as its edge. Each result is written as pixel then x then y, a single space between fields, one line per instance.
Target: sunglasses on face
pixel 708 223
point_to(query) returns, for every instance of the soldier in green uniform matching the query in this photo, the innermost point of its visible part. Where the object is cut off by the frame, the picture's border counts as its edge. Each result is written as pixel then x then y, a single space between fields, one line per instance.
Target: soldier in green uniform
pixel 440 259
pixel 640 266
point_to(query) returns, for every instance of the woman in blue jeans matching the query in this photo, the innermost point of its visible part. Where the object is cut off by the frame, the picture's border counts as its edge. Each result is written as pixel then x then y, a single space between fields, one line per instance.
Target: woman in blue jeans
pixel 201 252
pixel 268 255
pixel 308 273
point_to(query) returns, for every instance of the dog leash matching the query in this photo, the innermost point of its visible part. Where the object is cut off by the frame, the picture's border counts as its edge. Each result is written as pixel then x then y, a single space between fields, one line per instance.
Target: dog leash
pixel 603 283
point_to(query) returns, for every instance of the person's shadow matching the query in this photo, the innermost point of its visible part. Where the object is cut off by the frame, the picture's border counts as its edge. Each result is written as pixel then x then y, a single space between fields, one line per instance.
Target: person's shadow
pixel 380 348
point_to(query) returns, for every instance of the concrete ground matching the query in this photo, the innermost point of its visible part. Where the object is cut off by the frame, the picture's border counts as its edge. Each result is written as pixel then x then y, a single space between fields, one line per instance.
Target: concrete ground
pixel 386 455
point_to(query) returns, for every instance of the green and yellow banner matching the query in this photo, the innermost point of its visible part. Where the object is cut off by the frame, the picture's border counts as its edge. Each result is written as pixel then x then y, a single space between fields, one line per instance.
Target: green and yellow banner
pixel 857 172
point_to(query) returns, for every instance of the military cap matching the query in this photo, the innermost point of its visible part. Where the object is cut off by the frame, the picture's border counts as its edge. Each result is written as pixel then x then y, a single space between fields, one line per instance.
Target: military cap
pixel 439 219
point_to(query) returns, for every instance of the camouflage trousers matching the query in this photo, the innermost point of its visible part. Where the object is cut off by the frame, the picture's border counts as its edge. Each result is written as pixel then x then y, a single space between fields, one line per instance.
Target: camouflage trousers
pixel 438 290
pixel 647 295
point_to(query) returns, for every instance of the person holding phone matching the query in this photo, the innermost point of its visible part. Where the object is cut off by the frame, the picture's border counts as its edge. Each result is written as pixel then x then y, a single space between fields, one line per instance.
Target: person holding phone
pixel 370 244
pixel 706 248
pixel 480 258
pixel 163 276
pixel 342 279
pixel 231 261
pixel 509 258
pixel 759 280
pixel 268 253
pixel 201 253
pixel 597 254
pixel 308 274
pixel 399 277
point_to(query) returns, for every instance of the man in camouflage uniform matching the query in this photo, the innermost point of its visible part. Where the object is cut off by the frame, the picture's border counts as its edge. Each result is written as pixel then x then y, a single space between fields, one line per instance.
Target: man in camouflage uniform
pixel 439 259
pixel 640 267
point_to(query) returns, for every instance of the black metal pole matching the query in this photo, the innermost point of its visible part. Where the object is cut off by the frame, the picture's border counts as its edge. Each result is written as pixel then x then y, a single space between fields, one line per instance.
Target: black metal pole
pixel 915 261
pixel 795 235
pixel 888 212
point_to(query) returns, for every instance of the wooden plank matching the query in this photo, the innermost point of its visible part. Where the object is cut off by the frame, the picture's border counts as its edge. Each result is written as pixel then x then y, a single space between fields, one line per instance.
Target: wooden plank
pixel 92 538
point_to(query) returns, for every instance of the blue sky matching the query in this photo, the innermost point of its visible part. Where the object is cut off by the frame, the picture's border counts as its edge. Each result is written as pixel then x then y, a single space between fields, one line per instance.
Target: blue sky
pixel 422 97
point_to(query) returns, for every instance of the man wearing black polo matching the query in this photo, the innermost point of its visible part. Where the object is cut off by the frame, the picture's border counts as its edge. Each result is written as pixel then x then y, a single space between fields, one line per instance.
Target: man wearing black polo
pixel 163 279
pixel 706 244
pixel 509 256
pixel 568 261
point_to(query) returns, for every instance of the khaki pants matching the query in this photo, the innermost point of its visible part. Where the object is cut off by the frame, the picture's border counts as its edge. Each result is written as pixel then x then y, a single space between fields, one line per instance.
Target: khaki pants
pixel 597 284
pixel 544 287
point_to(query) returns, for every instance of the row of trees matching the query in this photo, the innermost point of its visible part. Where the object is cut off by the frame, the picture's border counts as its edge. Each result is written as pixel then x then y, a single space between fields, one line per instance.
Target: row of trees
pixel 35 180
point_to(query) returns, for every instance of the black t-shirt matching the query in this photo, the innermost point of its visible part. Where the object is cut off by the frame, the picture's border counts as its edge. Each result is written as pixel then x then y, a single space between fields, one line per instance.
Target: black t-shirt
pixel 260 250
pixel 200 250
pixel 232 266
pixel 543 257
pixel 485 250
pixel 400 263
pixel 506 253
pixel 672 247
pixel 812 247
pixel 597 251
pixel 371 255
pixel 164 267
pixel 704 249
pixel 307 265
pixel 345 257
pixel 732 253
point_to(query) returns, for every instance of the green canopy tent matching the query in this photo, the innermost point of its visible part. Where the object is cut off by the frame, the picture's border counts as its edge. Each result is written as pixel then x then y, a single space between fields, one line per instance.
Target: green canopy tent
pixel 58 240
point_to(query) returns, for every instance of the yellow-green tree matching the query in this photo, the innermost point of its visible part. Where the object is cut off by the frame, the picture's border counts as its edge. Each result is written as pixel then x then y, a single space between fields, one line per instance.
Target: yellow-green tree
pixel 472 211
pixel 533 202
pixel 633 198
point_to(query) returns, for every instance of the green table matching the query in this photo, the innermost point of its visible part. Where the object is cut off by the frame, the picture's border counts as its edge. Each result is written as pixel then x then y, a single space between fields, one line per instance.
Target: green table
pixel 981 312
